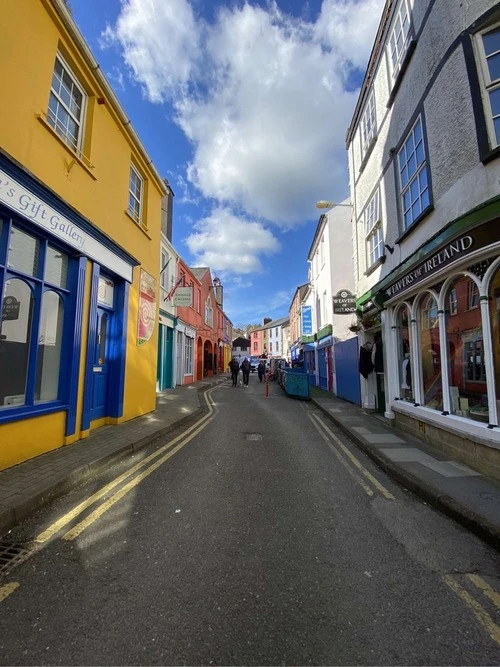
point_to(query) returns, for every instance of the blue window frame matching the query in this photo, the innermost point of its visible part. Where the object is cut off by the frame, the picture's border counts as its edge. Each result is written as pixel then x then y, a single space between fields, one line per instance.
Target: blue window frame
pixel 38 279
pixel 413 175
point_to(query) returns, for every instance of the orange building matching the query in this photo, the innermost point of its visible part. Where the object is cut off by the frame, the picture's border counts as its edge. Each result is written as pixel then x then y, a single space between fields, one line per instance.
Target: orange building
pixel 204 321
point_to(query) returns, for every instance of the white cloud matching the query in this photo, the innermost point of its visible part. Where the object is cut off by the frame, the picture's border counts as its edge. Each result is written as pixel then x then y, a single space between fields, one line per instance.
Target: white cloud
pixel 160 43
pixel 231 244
pixel 261 97
pixel 349 27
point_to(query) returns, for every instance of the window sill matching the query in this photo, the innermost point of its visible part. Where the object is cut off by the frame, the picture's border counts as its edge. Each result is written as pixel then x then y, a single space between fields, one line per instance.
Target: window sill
pixel 375 265
pixel 368 153
pixel 76 159
pixel 29 411
pixel 137 224
pixel 490 155
pixel 461 426
pixel 415 224
pixel 399 78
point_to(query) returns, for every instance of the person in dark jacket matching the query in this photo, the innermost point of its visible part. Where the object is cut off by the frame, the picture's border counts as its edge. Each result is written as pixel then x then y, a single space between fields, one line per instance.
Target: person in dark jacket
pixel 234 367
pixel 261 369
pixel 245 369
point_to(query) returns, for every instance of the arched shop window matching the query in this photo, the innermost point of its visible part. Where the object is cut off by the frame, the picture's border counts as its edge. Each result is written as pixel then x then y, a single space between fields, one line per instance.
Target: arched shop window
pixel 465 348
pixel 34 277
pixel 403 337
pixel 494 306
pixel 430 352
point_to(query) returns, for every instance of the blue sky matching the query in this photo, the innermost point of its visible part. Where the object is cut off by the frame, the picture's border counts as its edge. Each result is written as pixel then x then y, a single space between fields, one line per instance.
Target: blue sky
pixel 244 107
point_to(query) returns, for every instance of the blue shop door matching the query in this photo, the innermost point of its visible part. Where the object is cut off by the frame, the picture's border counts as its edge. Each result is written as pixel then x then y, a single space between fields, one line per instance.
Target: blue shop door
pixel 323 368
pixel 100 376
pixel 347 370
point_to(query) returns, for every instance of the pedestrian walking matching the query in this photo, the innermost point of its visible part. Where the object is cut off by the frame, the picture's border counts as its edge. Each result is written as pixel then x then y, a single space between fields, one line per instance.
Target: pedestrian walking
pixel 261 369
pixel 235 369
pixel 245 369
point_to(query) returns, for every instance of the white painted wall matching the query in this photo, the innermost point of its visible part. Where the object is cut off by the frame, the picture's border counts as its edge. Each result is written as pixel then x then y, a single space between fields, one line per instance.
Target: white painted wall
pixel 459 181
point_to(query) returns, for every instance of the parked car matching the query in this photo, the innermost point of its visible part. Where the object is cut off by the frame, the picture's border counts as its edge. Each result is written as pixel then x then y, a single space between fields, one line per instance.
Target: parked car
pixel 254 362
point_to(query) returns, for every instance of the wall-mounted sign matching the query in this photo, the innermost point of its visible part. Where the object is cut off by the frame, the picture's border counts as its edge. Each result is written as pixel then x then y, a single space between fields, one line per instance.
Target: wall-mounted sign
pixel 306 320
pixel 10 308
pixel 454 250
pixel 147 308
pixel 344 303
pixel 183 296
pixel 31 207
pixel 106 291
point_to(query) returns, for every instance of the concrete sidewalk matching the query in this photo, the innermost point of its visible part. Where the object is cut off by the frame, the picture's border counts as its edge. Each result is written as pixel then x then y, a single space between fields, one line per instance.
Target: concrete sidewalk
pixel 451 487
pixel 26 487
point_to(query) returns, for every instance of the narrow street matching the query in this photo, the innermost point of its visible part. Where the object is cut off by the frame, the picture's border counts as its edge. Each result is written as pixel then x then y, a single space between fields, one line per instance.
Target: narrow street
pixel 252 539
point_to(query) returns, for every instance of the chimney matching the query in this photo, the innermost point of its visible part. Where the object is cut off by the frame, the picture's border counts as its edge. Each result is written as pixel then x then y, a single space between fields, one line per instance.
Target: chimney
pixel 167 205
pixel 219 292
pixel 266 320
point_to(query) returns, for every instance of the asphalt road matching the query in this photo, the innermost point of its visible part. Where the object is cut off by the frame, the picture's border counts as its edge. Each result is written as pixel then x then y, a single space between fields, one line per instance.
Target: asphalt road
pixel 264 540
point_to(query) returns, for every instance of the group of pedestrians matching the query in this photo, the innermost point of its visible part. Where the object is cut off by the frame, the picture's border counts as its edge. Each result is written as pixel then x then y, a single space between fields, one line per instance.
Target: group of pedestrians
pixel 235 368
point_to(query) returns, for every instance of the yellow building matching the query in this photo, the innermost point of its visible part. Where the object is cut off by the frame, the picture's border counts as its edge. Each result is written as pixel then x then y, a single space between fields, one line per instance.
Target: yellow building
pixel 80 206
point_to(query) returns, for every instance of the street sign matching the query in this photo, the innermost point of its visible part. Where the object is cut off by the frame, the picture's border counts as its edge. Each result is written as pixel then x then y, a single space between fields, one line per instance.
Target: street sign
pixel 344 303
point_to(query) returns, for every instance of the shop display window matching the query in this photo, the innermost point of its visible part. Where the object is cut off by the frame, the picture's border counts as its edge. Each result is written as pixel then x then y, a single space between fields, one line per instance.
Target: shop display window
pixel 430 353
pixel 494 306
pixel 15 337
pixel 49 347
pixel 404 351
pixel 464 335
pixel 34 293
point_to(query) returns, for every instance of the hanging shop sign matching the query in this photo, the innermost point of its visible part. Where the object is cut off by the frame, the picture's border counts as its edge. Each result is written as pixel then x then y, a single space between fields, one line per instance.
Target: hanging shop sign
pixel 19 199
pixel 147 308
pixel 306 320
pixel 183 296
pixel 344 303
pixel 454 250
pixel 10 308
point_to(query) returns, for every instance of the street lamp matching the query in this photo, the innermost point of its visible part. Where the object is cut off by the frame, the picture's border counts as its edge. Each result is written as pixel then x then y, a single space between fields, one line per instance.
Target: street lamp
pixel 329 204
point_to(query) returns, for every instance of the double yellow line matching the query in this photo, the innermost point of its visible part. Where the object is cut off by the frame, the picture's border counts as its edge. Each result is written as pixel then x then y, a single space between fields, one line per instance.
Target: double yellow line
pixel 182 439
pixel 353 465
pixel 153 461
pixel 484 618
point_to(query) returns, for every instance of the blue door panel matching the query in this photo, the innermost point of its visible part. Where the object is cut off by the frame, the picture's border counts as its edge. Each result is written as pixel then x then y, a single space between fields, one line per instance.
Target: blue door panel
pixel 322 368
pixel 347 370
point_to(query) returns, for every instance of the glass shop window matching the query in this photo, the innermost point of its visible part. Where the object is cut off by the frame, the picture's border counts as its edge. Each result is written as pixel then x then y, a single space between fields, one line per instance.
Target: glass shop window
pixel 430 354
pixel 404 351
pixel 33 325
pixel 464 336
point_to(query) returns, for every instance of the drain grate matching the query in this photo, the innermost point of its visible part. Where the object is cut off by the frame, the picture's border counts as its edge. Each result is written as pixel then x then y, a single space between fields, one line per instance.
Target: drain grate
pixel 11 555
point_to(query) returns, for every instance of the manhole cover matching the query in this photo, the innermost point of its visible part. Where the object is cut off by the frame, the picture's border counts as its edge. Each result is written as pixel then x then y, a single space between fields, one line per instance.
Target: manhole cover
pixel 11 555
pixel 254 436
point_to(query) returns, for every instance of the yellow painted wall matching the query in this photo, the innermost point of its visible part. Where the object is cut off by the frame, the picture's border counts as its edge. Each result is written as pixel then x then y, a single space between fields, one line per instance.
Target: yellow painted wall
pixel 31 34
pixel 21 440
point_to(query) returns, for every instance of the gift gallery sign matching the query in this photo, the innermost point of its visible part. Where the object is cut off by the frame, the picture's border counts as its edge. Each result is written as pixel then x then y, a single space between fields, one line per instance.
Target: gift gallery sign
pixel 31 207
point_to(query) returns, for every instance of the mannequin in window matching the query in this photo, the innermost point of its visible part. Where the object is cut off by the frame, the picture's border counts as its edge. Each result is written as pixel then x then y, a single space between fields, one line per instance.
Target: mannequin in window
pixel 406 376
